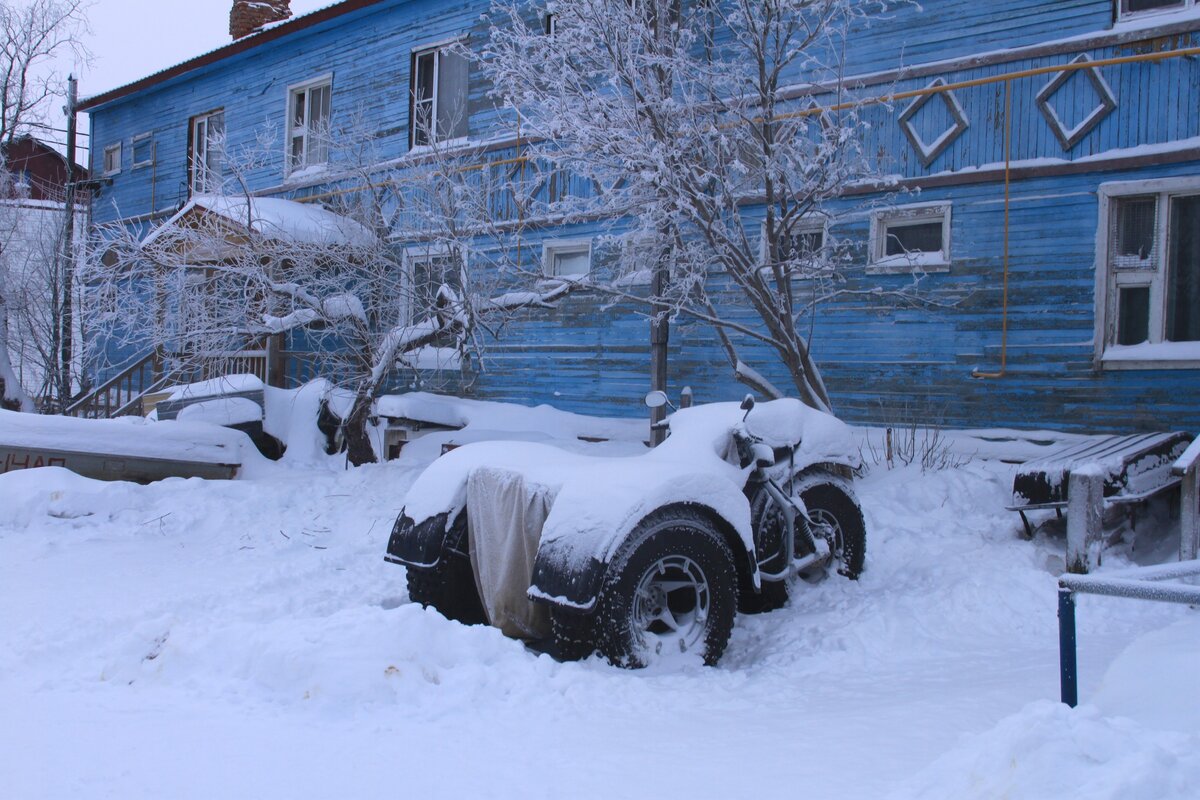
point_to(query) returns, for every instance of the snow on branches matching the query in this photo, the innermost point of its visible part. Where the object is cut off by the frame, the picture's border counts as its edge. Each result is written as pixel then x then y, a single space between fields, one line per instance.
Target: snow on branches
pixel 685 117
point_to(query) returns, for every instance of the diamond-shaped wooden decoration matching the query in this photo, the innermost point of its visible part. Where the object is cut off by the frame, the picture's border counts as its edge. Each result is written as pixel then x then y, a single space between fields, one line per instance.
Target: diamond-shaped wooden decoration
pixel 1069 137
pixel 928 151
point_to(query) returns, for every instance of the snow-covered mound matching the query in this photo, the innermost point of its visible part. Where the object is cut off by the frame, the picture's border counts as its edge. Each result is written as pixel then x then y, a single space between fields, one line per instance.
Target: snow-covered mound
pixel 1048 750
pixel 193 639
pixel 126 436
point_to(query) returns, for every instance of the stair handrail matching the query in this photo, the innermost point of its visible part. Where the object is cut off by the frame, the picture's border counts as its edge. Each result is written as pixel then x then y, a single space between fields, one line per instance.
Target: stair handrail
pixel 153 358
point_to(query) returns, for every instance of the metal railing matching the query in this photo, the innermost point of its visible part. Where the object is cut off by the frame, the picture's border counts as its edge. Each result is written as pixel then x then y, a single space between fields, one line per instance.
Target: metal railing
pixel 1142 583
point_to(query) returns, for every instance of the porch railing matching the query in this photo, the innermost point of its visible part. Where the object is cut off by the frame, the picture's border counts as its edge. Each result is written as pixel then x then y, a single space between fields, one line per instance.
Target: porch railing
pixel 122 394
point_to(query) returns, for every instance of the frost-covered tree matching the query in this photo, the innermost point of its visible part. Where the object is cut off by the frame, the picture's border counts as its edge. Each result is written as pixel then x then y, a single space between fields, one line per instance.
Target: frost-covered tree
pixel 231 271
pixel 34 34
pixel 686 117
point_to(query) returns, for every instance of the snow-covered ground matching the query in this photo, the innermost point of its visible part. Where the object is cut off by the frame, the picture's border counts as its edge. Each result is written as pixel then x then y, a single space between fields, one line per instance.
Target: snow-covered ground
pixel 245 639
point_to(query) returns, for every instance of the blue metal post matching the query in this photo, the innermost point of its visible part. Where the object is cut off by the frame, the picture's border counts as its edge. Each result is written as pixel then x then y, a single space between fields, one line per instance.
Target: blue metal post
pixel 1068 671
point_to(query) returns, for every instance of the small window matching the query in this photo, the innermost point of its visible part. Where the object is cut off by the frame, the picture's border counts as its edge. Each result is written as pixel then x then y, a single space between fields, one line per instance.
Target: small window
pixel 551 23
pixel 438 102
pixel 143 151
pixel 567 259
pixel 429 269
pixel 911 238
pixel 802 250
pixel 112 159
pixel 309 108
pixel 208 152
pixel 1153 275
pixel 1133 8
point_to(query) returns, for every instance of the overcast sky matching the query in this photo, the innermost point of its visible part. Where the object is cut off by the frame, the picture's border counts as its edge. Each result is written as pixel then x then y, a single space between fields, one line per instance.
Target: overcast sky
pixel 131 39
pixel 134 38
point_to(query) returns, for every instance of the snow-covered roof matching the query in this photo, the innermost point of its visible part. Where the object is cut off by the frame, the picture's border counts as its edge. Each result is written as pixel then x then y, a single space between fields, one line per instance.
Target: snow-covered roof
pixel 274 218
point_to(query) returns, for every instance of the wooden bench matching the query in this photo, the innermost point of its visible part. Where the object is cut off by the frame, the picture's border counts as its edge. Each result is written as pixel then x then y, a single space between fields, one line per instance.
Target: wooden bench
pixel 1087 476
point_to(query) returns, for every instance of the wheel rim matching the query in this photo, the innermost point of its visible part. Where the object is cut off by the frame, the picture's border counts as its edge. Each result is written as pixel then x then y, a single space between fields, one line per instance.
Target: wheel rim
pixel 825 525
pixel 671 606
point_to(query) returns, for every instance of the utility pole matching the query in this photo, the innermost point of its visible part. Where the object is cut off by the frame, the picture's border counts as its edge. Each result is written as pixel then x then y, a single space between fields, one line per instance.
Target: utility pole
pixel 67 315
pixel 664 15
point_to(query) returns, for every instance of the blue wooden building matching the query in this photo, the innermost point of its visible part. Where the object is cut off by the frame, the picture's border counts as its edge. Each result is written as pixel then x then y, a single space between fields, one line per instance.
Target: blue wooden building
pixel 1049 177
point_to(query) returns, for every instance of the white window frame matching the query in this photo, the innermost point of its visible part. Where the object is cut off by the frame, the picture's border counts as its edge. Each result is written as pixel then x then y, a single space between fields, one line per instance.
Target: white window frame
pixel 1123 15
pixel 557 247
pixel 1158 354
pixel 550 22
pixel 807 224
pixel 113 166
pixel 900 216
pixel 133 148
pixel 306 88
pixel 413 254
pixel 198 169
pixel 434 48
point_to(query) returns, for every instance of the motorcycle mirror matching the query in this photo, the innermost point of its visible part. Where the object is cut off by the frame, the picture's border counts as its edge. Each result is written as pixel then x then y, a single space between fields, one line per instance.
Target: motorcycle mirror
pixel 656 399
pixel 748 403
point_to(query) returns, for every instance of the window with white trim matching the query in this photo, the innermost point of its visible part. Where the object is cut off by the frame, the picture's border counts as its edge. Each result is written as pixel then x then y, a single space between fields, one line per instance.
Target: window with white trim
pixel 804 246
pixel 567 259
pixel 1150 257
pixel 112 159
pixel 438 97
pixel 143 150
pixel 429 269
pixel 1137 8
pixel 911 238
pixel 207 156
pixel 309 107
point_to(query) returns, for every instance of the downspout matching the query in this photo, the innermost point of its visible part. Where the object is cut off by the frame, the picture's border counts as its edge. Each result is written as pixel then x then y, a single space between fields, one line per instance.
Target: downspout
pixel 1007 202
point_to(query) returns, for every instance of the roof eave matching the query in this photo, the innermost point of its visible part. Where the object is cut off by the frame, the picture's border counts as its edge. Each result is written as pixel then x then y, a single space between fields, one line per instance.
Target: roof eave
pixel 233 48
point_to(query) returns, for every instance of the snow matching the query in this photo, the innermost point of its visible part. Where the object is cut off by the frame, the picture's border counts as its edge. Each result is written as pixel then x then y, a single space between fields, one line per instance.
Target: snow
pixel 275 218
pixel 230 384
pixel 127 436
pixel 223 411
pixel 193 639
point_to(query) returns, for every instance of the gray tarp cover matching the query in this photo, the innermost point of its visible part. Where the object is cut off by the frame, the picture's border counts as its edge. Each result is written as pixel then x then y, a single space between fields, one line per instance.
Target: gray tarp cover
pixel 505 517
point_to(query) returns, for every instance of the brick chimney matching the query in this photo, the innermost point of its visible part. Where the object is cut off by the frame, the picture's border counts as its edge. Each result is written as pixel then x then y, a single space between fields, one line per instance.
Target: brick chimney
pixel 249 16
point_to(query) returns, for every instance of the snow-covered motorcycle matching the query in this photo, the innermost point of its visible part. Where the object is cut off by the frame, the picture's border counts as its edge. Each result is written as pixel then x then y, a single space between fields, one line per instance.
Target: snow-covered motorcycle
pixel 637 557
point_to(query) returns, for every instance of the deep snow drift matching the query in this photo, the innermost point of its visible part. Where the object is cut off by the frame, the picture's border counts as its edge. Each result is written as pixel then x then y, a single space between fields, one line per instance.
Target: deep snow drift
pixel 238 639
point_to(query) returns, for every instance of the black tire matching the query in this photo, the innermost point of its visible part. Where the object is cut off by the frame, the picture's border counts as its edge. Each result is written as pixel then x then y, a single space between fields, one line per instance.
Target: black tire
pixel 830 500
pixel 673 546
pixel 449 587
pixel 572 635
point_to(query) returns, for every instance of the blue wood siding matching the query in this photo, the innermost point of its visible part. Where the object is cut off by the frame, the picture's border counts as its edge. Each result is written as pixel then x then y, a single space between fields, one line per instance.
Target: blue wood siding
pixel 883 364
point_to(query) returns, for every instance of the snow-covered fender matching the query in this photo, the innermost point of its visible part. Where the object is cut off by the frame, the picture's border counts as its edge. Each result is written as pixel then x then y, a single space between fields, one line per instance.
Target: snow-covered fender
pixel 596 512
pixel 418 544
pixel 571 578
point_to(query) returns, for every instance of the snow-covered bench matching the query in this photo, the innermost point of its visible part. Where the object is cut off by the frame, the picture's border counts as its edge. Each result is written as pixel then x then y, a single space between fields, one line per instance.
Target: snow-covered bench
pixel 1087 476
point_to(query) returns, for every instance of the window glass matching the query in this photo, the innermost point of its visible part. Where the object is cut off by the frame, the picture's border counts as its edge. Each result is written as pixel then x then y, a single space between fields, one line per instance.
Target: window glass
pixel 452 96
pixel 1183 270
pixel 807 244
pixel 429 274
pixel 1133 232
pixel 308 135
pixel 439 96
pixel 921 237
pixel 1133 6
pixel 143 151
pixel 1133 326
pixel 112 159
pixel 570 263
